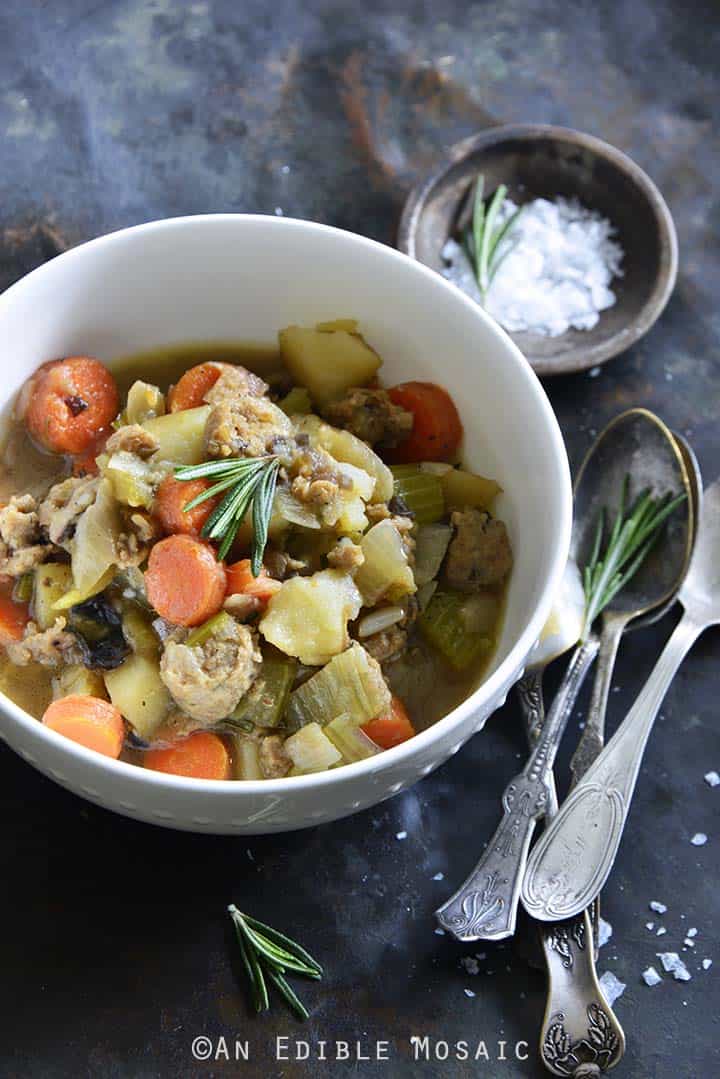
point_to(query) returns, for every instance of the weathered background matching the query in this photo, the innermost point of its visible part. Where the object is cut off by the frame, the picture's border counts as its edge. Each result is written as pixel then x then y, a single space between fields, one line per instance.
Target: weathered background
pixel 115 944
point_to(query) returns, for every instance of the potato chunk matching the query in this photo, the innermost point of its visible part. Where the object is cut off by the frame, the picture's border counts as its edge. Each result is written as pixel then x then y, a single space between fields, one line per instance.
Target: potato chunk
pixel 308 617
pixel 327 362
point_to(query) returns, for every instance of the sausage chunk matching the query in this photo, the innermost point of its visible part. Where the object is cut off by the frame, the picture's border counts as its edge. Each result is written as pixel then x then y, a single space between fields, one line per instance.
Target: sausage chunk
pixel 274 761
pixel 371 416
pixel 65 503
pixel 52 647
pixel 132 438
pixel 22 542
pixel 245 426
pixel 208 680
pixel 479 554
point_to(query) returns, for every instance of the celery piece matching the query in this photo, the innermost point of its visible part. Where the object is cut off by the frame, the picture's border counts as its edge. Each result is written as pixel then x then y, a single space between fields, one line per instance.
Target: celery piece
pixel 462 489
pixel 351 683
pixel 421 492
pixel 442 624
pixel 296 402
pixel 130 479
pixel 246 755
pixel 431 544
pixel 52 581
pixel 352 742
pixel 214 626
pixel 311 750
pixel 385 572
pixel 265 702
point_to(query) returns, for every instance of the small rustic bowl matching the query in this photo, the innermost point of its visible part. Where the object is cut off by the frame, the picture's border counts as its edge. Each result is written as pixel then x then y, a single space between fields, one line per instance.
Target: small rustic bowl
pixel 537 160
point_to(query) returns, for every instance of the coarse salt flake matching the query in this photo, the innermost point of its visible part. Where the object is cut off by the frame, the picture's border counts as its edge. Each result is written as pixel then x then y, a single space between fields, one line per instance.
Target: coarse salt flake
pixel 651 976
pixel 661 931
pixel 650 926
pixel 706 964
pixel 605 931
pixel 712 779
pixel 468 992
pixel 401 835
pixel 699 839
pixel 659 908
pixel 612 987
pixel 673 964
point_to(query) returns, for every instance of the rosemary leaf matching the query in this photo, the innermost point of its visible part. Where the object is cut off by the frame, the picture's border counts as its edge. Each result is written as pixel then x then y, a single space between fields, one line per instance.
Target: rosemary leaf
pixel 290 996
pixel 279 938
pixel 249 957
pixel 262 510
pixel 264 956
pixel 483 239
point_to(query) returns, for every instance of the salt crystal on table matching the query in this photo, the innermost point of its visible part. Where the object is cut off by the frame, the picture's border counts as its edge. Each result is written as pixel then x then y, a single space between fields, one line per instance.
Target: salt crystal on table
pixel 659 908
pixel 439 932
pixel 689 943
pixel 673 964
pixel 706 964
pixel 699 839
pixel 468 992
pixel 712 779
pixel 401 835
pixel 605 931
pixel 439 876
pixel 661 931
pixel 612 987
pixel 650 926
pixel 651 976
pixel 692 932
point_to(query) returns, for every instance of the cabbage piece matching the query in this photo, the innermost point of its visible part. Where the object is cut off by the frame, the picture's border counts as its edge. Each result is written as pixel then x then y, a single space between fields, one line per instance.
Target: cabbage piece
pixel 310 750
pixel 431 544
pixel 308 616
pixel 144 402
pixel 351 684
pixel 444 626
pixel 385 572
pixel 93 549
pixel 421 492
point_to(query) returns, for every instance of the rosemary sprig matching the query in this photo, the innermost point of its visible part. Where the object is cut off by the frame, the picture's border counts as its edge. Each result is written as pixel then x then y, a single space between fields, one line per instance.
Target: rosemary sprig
pixel 247 481
pixel 483 238
pixel 634 532
pixel 267 953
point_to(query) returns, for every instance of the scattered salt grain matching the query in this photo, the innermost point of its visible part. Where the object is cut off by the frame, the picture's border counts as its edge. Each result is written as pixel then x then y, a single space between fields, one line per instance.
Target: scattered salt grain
pixel 651 976
pixel 692 932
pixel 689 943
pixel 612 987
pixel 249 854
pixel 468 992
pixel 673 964
pixel 557 265
pixel 699 839
pixel 659 908
pixel 469 964
pixel 712 779
pixel 605 931
pixel 706 964
pixel 401 835
pixel 594 372
pixel 661 931
pixel 279 211
pixel 439 932
pixel 439 876
pixel 650 926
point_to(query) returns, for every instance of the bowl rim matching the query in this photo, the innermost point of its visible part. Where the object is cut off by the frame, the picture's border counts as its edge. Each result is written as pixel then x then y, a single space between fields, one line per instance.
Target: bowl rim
pixel 579 358
pixel 492 686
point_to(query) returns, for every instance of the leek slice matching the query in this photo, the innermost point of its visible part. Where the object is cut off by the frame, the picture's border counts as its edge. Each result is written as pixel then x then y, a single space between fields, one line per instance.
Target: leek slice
pixel 144 402
pixel 351 684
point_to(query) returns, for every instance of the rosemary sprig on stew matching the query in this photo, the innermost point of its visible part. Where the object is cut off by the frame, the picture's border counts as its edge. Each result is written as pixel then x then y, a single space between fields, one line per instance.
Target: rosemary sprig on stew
pixel 633 534
pixel 267 953
pixel 247 481
pixel 483 237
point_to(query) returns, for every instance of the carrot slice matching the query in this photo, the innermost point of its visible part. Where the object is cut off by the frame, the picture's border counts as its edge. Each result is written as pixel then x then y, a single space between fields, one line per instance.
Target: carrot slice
pixel 14 617
pixel 185 583
pixel 67 403
pixel 240 581
pixel 437 430
pixel 190 389
pixel 201 756
pixel 94 723
pixel 84 464
pixel 170 501
pixel 391 729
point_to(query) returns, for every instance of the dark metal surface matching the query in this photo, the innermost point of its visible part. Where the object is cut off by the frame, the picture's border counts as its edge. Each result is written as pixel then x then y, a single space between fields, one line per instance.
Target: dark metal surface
pixel 115 947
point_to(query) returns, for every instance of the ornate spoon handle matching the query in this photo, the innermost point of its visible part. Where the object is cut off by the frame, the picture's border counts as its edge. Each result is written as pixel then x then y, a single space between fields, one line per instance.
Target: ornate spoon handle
pixel 485 906
pixel 573 859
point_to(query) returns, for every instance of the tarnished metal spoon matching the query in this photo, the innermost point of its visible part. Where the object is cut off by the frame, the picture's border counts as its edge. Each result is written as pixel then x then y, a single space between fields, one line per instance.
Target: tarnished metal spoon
pixel 485 906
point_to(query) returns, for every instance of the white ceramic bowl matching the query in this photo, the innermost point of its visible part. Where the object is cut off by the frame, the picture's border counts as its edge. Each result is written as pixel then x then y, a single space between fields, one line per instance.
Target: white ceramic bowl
pixel 244 277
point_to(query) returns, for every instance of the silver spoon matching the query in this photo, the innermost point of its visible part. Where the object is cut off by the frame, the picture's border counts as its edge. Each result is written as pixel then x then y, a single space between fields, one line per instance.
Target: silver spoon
pixel 485 906
pixel 573 859
pixel 576 1011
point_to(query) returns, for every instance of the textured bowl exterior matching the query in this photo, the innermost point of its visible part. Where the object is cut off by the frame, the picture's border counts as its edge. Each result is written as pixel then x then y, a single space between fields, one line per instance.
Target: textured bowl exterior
pixel 241 277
